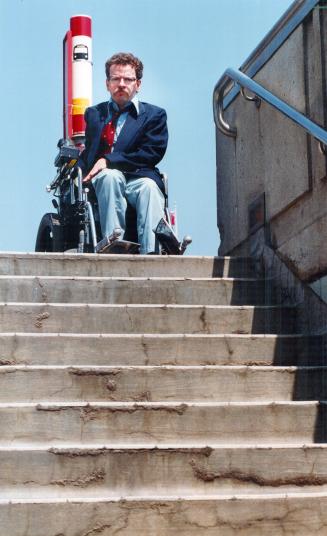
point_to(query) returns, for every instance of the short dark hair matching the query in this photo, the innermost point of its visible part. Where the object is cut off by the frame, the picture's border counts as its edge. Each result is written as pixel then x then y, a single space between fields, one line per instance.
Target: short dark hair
pixel 125 58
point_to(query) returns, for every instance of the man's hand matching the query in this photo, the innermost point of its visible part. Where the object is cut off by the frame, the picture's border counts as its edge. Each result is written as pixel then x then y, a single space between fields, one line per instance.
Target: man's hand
pixel 98 166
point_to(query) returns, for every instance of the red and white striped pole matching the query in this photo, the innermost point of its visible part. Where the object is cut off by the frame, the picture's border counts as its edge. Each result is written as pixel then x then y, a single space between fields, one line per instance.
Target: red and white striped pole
pixel 77 64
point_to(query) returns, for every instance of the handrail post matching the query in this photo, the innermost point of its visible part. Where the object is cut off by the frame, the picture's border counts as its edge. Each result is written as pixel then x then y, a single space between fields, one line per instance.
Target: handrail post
pixel 218 109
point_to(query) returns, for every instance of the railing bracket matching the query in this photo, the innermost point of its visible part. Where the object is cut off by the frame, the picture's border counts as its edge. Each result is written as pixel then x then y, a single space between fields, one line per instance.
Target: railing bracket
pixel 253 98
pixel 322 147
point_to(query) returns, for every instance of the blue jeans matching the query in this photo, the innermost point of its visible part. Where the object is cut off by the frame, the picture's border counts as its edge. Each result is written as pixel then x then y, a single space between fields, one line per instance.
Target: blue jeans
pixel 113 192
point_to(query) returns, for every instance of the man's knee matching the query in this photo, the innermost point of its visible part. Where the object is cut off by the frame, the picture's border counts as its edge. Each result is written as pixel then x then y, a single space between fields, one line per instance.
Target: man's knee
pixel 150 188
pixel 109 178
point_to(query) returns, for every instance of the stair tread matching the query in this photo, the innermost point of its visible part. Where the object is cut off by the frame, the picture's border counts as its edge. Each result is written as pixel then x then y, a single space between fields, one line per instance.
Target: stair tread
pixel 157 447
pixel 145 306
pixel 163 367
pixel 172 498
pixel 87 278
pixel 164 404
pixel 42 493
pixel 162 336
pixel 91 264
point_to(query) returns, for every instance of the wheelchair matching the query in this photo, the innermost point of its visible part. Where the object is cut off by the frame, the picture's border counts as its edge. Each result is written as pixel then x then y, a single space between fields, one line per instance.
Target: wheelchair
pixel 75 227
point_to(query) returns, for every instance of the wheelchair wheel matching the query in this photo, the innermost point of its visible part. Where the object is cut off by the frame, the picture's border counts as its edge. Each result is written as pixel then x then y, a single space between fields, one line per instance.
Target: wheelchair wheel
pixel 49 234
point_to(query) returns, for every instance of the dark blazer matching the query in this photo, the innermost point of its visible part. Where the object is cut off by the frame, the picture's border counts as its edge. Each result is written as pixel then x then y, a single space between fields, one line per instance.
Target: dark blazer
pixel 141 144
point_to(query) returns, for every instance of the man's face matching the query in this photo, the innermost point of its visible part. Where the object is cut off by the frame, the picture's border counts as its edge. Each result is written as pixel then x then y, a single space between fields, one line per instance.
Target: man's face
pixel 122 84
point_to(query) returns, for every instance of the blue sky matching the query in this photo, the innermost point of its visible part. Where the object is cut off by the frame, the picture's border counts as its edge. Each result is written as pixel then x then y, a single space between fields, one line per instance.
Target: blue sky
pixel 185 46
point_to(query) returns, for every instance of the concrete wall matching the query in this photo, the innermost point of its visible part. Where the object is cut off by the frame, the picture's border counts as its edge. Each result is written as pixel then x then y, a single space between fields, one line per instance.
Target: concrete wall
pixel 274 157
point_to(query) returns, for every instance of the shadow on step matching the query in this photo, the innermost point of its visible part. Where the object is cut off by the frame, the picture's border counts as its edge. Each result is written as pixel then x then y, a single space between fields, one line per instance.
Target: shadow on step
pixel 233 267
pixel 320 434
pixel 309 353
pixel 301 351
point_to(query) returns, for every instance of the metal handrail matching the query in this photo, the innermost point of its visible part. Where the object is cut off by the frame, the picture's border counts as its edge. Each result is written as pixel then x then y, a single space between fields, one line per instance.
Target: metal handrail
pixel 260 92
pixel 280 32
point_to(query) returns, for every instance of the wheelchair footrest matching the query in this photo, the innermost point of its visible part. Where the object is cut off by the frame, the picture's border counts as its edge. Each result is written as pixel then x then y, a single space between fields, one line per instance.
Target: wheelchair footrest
pixel 106 245
pixel 169 241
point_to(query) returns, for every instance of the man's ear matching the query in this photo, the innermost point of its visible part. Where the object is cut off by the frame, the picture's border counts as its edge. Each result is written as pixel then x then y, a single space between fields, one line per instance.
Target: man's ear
pixel 138 85
pixel 107 84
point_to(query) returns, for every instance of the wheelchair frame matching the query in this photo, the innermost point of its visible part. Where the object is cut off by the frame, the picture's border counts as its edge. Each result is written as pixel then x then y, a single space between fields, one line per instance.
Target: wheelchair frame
pixel 75 228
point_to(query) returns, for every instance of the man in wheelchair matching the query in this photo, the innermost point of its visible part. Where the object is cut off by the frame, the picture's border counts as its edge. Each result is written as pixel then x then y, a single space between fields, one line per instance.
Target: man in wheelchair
pixel 124 141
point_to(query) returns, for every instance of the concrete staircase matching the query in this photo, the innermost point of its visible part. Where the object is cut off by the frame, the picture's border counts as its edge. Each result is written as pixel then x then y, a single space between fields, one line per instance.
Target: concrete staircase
pixel 156 396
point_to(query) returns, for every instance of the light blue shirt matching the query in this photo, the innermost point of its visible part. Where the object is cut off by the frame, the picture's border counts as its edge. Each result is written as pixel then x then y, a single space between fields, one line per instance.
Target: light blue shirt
pixel 122 118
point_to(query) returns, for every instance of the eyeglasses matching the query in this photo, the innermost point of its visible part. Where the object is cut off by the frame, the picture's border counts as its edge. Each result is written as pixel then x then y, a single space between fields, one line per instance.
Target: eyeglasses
pixel 117 79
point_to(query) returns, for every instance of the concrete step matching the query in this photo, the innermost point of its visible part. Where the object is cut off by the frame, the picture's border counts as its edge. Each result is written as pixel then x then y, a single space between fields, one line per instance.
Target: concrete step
pixel 76 472
pixel 94 265
pixel 160 417
pixel 160 349
pixel 191 291
pixel 163 422
pixel 95 318
pixel 161 383
pixel 300 514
